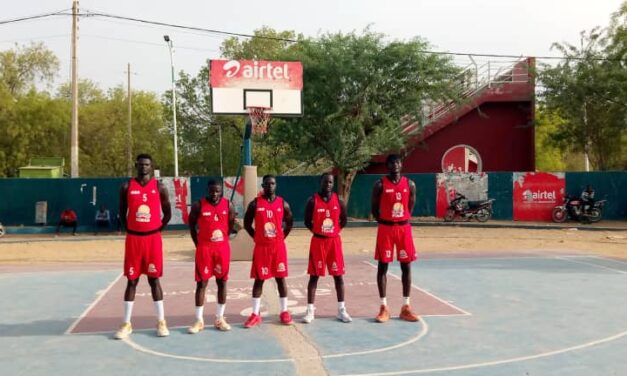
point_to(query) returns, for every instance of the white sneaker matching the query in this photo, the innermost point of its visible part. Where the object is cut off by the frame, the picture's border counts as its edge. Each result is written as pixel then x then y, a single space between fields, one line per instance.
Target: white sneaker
pixel 162 329
pixel 343 316
pixel 309 316
pixel 198 326
pixel 125 330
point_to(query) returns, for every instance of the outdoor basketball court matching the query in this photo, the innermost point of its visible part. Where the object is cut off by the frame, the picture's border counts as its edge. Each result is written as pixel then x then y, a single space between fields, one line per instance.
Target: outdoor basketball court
pixel 503 315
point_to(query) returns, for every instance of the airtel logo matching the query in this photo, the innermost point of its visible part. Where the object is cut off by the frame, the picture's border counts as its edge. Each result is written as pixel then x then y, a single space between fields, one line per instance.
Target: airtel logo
pixel 264 71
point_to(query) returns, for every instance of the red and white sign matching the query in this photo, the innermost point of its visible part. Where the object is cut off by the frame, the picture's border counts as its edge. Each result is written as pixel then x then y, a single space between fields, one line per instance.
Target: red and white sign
pixel 256 74
pixel 536 194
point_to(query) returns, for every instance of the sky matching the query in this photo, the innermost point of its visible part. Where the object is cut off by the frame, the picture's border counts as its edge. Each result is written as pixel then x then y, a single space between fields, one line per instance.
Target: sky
pixel 106 46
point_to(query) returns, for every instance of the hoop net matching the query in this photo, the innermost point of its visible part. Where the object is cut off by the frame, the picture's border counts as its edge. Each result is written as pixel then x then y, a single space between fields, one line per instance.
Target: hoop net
pixel 260 117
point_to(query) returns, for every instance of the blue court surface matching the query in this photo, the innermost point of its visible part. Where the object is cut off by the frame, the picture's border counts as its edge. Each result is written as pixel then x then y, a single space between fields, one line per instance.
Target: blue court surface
pixel 508 315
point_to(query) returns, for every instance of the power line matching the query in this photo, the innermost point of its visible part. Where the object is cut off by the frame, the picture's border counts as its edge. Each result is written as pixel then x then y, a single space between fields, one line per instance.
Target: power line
pixel 288 40
pixel 43 15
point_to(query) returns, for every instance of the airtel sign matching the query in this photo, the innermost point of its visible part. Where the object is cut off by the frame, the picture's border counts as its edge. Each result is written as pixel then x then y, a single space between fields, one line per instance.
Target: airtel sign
pixel 245 73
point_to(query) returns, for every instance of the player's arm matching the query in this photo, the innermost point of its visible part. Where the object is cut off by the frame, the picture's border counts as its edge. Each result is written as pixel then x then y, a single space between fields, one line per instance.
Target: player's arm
pixel 165 205
pixel 123 203
pixel 376 199
pixel 249 217
pixel 288 218
pixel 412 196
pixel 232 215
pixel 309 208
pixel 193 221
pixel 343 214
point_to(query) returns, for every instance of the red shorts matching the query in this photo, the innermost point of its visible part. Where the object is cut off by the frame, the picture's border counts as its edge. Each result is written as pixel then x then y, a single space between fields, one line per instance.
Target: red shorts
pixel 269 260
pixel 326 254
pixel 212 259
pixel 389 236
pixel 143 254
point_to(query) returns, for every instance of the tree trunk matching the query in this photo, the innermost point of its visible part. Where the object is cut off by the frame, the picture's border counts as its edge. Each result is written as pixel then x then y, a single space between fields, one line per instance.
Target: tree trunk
pixel 344 183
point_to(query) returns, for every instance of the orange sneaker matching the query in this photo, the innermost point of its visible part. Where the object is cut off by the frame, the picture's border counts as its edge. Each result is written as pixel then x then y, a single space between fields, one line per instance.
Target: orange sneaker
pixel 407 314
pixel 384 314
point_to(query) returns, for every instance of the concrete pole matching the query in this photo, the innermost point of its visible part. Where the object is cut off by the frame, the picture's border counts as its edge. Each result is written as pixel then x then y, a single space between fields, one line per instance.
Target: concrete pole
pixel 74 132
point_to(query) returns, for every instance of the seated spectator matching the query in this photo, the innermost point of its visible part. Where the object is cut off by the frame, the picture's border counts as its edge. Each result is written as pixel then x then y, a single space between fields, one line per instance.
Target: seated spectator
pixel 103 218
pixel 68 219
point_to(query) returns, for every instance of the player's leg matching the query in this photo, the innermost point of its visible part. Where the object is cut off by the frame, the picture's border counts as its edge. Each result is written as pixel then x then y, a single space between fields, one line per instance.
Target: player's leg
pixel 157 298
pixel 154 271
pixel 220 322
pixel 335 265
pixel 311 297
pixel 255 317
pixel 74 225
pixel 284 316
pixel 199 324
pixel 132 271
pixel 382 281
pixel 406 254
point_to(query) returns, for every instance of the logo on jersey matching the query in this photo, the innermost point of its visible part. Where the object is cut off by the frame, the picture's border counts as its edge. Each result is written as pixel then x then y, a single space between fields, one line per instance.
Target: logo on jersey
pixel 135 192
pixel 218 269
pixel 402 254
pixel 269 230
pixel 334 266
pixel 280 267
pixel 327 226
pixel 397 210
pixel 143 214
pixel 217 236
pixel 152 268
pixel 206 214
pixel 319 264
pixel 264 270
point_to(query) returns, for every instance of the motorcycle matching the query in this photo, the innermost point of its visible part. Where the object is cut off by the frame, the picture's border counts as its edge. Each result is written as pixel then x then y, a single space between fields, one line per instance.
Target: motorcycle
pixel 1 230
pixel 464 209
pixel 572 208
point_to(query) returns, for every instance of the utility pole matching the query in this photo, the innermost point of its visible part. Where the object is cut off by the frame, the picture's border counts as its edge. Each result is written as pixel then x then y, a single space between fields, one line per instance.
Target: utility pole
pixel 130 128
pixel 74 133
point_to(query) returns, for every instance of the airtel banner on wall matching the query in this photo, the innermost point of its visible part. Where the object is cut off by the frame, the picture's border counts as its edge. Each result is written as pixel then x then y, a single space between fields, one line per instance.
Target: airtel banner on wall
pixel 536 194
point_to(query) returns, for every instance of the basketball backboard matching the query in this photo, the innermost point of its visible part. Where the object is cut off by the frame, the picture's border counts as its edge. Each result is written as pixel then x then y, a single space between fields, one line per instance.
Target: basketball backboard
pixel 237 85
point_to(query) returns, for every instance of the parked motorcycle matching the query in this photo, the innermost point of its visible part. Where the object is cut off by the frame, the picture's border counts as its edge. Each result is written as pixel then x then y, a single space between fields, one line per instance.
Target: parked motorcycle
pixel 464 209
pixel 572 208
pixel 1 230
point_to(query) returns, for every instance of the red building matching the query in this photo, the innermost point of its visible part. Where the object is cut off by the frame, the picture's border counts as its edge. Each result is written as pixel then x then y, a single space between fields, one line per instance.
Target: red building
pixel 492 130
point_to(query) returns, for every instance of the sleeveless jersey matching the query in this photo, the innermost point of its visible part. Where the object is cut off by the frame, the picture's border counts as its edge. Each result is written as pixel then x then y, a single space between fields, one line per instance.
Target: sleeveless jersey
pixel 213 222
pixel 326 216
pixel 144 206
pixel 394 203
pixel 269 220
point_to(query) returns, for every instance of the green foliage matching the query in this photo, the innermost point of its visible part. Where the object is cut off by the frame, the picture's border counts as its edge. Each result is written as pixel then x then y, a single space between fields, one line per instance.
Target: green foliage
pixel 589 93
pixel 357 88
pixel 21 68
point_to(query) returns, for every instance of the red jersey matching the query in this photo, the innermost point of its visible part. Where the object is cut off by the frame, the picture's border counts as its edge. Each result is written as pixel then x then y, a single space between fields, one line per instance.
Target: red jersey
pixel 394 203
pixel 326 216
pixel 144 206
pixel 213 222
pixel 269 220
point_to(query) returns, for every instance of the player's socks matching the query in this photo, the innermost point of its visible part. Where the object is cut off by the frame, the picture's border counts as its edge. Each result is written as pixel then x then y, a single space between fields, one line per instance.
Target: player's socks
pixel 128 311
pixel 256 305
pixel 384 301
pixel 406 300
pixel 283 304
pixel 340 305
pixel 159 310
pixel 220 310
pixel 199 313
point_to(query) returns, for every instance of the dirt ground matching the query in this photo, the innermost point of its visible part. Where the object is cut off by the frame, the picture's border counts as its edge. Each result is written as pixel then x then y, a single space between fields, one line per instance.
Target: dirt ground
pixel 430 241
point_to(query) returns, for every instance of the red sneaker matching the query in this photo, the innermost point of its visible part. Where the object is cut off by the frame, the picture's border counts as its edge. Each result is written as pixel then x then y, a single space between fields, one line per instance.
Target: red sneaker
pixel 286 318
pixel 253 320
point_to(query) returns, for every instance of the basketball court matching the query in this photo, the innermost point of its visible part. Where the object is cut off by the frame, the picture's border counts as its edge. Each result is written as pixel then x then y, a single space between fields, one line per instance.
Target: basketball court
pixel 495 315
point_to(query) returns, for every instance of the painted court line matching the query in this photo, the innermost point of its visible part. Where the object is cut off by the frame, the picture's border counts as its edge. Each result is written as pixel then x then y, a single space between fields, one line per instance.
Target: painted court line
pixel 591 264
pixel 464 312
pixel 499 362
pixel 92 305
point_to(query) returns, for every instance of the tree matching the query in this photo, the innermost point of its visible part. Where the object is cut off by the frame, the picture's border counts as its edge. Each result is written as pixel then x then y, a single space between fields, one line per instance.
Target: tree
pixel 357 89
pixel 587 89
pixel 21 68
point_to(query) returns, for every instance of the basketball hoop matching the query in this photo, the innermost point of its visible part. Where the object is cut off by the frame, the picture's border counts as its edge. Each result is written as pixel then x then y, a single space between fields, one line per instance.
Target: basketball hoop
pixel 260 117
